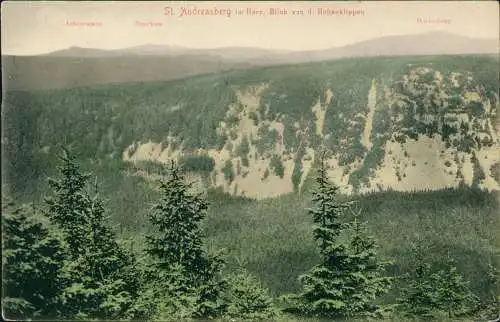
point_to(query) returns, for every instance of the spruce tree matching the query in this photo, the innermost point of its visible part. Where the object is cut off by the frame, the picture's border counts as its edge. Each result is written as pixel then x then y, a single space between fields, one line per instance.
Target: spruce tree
pixel 366 276
pixel 177 248
pixel 493 280
pixel 419 296
pixel 430 292
pixel 68 208
pixel 247 298
pixel 101 281
pixel 348 279
pixel 32 261
pixel 453 293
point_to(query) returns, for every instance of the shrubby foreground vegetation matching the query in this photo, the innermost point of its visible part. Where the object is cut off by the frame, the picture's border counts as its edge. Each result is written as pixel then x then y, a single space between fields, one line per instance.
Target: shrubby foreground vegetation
pixel 63 258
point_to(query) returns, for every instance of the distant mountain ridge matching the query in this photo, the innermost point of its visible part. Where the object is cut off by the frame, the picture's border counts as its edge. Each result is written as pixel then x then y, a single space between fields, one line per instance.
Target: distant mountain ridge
pixel 231 53
pixel 77 66
pixel 415 44
pixel 421 44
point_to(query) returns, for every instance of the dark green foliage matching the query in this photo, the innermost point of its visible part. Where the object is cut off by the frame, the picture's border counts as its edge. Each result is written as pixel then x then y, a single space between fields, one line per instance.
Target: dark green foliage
pixel 290 139
pixel 466 144
pixel 266 174
pixel 475 108
pixel 176 218
pixel 267 139
pixel 430 292
pixel 243 149
pixel 70 205
pixel 32 262
pixel 245 162
pixel 477 171
pixel 292 95
pixel 296 175
pixel 428 77
pixel 453 293
pixel 102 121
pixel 326 212
pixel 280 247
pixel 165 295
pixel 277 166
pixel 198 163
pixel 366 277
pixel 492 305
pixel 228 172
pixel 182 269
pixel 220 141
pixel 247 298
pixel 349 279
pixel 419 296
pixel 100 280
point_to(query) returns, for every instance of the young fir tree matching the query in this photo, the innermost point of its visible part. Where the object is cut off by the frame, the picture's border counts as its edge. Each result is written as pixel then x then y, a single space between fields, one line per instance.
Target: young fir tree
pixel 68 208
pixel 419 296
pixel 453 293
pixel 100 278
pixel 187 274
pixel 247 298
pixel 32 258
pixel 366 277
pixel 492 307
pixel 348 279
pixel 431 293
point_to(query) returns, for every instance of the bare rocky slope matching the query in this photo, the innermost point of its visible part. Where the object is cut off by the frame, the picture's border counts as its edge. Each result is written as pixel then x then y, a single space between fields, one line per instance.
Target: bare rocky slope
pixel 427 129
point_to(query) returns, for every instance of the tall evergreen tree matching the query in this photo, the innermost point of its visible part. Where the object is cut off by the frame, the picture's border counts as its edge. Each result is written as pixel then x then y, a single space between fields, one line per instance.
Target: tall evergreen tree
pixel 69 207
pixel 366 276
pixel 348 279
pixel 177 247
pixel 32 261
pixel 100 276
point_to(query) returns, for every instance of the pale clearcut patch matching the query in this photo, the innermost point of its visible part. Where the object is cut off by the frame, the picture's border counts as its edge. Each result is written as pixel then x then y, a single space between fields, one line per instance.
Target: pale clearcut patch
pixel 414 165
pixel 428 164
pixel 319 112
pixel 488 157
pixel 328 96
pixel 372 101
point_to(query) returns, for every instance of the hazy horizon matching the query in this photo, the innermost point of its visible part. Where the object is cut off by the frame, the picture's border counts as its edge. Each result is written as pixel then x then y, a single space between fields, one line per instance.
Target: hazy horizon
pixel 249 47
pixel 33 28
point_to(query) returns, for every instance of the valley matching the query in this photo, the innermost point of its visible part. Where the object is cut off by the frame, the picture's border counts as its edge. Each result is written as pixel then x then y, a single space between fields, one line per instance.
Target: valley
pixel 414 140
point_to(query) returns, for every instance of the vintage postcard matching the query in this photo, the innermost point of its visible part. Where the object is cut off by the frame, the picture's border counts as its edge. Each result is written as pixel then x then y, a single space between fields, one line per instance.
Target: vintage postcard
pixel 271 161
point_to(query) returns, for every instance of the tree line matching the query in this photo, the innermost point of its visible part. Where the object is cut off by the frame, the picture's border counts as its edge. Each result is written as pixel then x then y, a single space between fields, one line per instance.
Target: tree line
pixel 63 260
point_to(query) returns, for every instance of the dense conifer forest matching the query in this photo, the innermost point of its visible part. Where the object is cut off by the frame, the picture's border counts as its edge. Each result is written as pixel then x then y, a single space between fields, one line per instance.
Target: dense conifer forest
pixel 63 260
pixel 223 196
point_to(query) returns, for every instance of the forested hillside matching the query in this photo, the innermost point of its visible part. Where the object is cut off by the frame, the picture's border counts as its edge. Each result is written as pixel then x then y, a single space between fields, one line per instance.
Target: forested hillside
pixel 389 166
pixel 254 132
